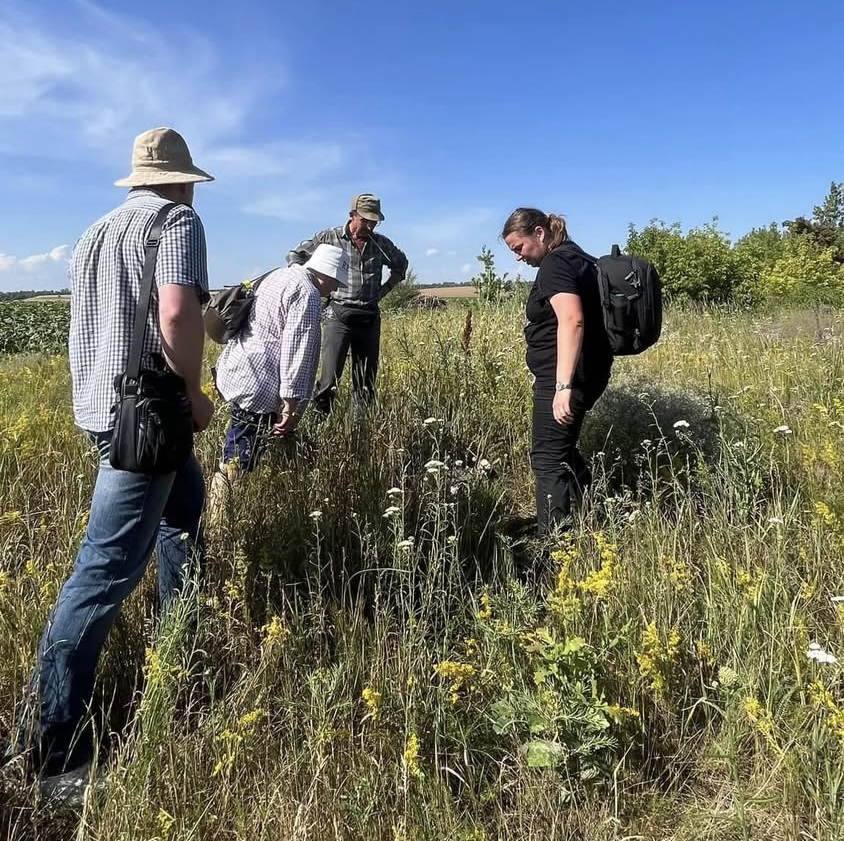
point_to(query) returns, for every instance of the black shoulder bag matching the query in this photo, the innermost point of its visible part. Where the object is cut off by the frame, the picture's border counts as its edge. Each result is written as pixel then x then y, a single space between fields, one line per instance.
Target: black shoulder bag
pixel 153 422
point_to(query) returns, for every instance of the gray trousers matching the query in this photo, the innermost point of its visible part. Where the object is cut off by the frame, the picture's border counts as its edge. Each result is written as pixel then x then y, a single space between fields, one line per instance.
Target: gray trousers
pixel 344 330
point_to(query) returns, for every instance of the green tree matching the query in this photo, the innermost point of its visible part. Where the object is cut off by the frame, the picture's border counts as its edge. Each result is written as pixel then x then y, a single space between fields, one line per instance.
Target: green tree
pixel 806 273
pixel 697 266
pixel 757 252
pixel 491 287
pixel 826 227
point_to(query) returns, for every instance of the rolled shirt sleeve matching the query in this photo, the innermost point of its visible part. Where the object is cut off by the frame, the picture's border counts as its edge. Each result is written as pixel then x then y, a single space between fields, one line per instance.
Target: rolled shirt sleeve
pixel 300 347
pixel 299 255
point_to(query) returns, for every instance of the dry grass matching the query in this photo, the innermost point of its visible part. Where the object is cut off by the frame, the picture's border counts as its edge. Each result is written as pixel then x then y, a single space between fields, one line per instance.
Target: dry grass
pixel 448 291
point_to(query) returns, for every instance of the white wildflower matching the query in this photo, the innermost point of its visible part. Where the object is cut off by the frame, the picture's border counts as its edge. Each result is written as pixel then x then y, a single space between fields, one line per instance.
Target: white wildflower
pixel 315 515
pixel 817 653
pixel 776 521
pixel 783 430
pixel 405 544
pixel 453 490
pixel 681 424
pixel 484 465
pixel 458 462
pixel 433 465
pixel 394 491
pixel 431 421
pixel 451 540
pixel 392 511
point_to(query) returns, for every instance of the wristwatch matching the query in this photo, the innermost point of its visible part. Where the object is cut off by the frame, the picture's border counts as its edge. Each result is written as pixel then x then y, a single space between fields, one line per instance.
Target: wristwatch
pixel 562 386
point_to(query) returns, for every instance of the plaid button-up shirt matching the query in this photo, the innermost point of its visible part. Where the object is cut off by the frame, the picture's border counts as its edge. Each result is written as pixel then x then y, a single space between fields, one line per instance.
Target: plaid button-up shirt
pixel 366 268
pixel 105 275
pixel 275 355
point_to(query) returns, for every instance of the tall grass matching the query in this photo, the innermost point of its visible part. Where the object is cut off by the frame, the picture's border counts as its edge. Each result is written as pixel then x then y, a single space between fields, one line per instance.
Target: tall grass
pixel 369 655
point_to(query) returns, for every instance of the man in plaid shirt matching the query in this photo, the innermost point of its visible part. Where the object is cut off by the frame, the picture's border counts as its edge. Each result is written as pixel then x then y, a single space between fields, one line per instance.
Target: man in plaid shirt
pixel 130 513
pixel 353 320
pixel 267 370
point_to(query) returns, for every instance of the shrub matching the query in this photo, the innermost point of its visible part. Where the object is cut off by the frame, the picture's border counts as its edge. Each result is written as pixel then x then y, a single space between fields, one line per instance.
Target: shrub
pixel 696 266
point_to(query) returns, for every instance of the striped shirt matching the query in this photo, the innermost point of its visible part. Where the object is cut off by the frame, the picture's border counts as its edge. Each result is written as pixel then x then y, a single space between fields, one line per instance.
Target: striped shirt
pixel 366 268
pixel 275 355
pixel 105 275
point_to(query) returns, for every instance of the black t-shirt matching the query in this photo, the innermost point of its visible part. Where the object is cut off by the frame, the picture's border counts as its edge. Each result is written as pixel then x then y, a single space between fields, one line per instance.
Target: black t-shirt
pixel 566 269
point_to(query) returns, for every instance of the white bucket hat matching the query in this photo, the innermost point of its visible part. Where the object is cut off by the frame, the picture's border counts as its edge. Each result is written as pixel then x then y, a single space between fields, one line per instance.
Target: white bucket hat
pixel 161 156
pixel 332 261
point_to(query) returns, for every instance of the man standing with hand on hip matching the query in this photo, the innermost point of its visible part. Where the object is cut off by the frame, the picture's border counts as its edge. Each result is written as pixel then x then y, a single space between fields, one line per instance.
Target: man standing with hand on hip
pixel 131 513
pixel 353 320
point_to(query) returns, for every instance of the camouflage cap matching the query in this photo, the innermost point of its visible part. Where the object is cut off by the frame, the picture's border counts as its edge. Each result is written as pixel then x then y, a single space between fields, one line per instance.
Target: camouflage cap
pixel 368 206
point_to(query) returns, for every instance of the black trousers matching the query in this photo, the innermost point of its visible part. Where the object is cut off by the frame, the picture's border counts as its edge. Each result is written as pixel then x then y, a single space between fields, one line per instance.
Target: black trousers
pixel 343 330
pixel 559 469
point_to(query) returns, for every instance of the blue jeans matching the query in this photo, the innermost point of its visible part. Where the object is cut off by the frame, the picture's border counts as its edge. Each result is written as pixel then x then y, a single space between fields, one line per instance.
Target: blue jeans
pixel 246 436
pixel 130 514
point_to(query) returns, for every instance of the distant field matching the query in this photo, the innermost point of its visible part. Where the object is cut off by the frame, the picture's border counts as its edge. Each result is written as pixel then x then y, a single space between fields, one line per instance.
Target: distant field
pixel 45 298
pixel 448 291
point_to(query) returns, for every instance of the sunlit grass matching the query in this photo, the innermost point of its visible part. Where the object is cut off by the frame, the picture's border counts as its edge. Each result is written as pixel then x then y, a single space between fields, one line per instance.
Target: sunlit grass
pixel 393 667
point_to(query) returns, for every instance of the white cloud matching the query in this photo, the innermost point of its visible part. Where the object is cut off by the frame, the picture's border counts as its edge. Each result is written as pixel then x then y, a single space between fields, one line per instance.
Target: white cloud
pixel 292 207
pixel 59 254
pixel 110 78
pixel 36 271
pixel 431 252
pixel 74 95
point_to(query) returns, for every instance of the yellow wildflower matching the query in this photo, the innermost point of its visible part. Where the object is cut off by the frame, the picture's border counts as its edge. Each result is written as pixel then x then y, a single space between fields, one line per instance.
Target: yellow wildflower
pixel 372 698
pixel 824 515
pixel 762 721
pixel 275 632
pixel 823 699
pixel 657 659
pixel 411 757
pixel 486 609
pixel 456 672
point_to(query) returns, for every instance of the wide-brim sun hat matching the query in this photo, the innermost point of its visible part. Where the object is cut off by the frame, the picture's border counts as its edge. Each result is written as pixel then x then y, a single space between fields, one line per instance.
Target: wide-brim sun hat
pixel 161 156
pixel 330 260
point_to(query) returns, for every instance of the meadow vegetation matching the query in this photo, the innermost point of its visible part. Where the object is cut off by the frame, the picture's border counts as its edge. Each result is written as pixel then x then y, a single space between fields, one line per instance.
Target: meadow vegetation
pixel 370 655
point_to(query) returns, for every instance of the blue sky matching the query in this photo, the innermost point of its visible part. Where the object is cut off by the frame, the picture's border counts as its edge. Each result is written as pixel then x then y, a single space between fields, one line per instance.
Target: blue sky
pixel 455 113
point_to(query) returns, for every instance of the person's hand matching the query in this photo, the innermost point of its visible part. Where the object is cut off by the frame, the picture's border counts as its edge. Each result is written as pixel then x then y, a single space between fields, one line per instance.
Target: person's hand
pixel 286 424
pixel 202 409
pixel 562 407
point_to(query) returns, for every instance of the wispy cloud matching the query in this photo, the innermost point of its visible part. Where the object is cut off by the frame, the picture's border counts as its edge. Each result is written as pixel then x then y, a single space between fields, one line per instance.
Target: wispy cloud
pixel 59 254
pixel 36 271
pixel 454 228
pixel 110 78
pixel 432 252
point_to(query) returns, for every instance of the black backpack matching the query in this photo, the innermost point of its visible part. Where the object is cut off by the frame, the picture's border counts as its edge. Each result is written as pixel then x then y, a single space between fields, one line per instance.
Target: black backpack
pixel 631 302
pixel 227 310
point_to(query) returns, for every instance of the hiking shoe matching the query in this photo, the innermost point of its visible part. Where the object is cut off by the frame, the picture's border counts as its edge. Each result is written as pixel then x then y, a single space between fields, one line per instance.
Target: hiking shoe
pixel 73 787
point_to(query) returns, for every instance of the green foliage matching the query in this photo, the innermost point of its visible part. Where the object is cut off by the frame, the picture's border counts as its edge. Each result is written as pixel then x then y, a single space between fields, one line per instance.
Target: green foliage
pixel 372 656
pixel 34 326
pixel 402 294
pixel 491 287
pixel 696 266
pixel 826 227
pixel 804 274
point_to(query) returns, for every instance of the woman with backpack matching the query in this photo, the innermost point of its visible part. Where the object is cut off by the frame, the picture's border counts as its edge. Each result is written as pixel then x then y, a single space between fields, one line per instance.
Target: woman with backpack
pixel 568 353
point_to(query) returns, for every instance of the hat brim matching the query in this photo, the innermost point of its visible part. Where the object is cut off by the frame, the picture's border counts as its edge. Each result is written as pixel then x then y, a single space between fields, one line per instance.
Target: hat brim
pixel 372 217
pixel 155 177
pixel 340 283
